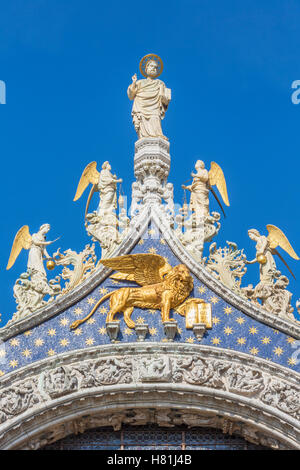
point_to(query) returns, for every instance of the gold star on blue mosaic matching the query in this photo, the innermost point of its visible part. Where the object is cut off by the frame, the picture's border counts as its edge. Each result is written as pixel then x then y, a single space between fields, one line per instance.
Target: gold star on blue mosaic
pixel 254 351
pixel 253 330
pixel 241 341
pixel 89 341
pixel 77 332
pixel 228 310
pixel 228 330
pixel 216 340
pixel 127 332
pixel 153 331
pixel 278 351
pixel 26 353
pixel 78 311
pixel 201 289
pixel 290 340
pixel 190 339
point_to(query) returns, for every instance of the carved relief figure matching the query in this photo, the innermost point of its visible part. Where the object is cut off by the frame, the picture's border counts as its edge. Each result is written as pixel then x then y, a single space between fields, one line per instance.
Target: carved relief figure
pixel 150 98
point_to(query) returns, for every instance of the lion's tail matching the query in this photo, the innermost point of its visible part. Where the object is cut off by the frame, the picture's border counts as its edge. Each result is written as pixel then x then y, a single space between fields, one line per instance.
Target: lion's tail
pixel 76 323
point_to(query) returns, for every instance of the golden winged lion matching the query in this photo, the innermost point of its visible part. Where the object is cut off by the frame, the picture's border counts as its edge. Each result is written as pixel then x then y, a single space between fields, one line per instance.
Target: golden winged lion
pixel 163 287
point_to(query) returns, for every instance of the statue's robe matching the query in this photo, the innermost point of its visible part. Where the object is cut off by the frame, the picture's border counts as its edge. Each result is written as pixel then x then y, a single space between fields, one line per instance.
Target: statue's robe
pixel 151 99
pixel 199 188
pixel 36 253
pixel 107 189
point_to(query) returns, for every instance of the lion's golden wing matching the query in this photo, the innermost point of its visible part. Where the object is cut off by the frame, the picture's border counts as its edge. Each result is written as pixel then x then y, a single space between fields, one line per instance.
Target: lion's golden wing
pixel 216 177
pixel 22 240
pixel 277 238
pixel 145 267
pixel 90 175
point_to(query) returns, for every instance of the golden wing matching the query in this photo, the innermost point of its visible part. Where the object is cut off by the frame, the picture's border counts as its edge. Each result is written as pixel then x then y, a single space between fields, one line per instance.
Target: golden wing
pixel 144 267
pixel 90 175
pixel 119 276
pixel 277 238
pixel 22 240
pixel 216 177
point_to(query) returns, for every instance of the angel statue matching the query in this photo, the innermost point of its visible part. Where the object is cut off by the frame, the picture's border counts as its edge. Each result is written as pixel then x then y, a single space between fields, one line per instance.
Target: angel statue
pixel 36 244
pixel 104 182
pixel 32 286
pixel 266 248
pixel 150 98
pixel 271 289
pixel 202 183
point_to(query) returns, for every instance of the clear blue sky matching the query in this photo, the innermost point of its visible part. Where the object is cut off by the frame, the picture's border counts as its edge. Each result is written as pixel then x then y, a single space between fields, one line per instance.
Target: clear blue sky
pixel 67 64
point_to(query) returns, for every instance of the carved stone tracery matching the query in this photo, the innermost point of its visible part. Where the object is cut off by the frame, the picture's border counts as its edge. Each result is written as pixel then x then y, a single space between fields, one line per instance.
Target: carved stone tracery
pixel 204 374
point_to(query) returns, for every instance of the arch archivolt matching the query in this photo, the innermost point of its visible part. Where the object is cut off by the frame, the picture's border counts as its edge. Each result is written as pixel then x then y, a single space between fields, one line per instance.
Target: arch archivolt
pixel 168 384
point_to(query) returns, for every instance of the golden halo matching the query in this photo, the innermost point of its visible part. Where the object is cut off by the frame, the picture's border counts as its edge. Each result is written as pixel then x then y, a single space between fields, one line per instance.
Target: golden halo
pixel 145 60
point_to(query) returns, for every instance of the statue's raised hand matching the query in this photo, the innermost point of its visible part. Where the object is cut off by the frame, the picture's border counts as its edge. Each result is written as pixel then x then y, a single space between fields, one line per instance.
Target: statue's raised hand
pixel 134 79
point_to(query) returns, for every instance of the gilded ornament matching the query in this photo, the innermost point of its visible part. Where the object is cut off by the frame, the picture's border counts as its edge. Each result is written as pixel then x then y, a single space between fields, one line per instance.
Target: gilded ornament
pixel 262 259
pixel 144 61
pixel 50 264
pixel 163 287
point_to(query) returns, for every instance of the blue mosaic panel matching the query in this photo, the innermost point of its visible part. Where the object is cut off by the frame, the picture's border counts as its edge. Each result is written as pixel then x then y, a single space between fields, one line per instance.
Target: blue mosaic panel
pixel 153 438
pixel 232 329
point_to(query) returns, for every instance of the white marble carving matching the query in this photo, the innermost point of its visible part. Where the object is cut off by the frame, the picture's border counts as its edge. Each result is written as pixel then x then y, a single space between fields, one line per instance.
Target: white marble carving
pixel 228 265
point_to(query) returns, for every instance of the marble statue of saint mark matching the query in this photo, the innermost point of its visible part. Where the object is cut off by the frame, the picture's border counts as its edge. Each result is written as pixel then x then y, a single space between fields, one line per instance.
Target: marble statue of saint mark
pixel 150 99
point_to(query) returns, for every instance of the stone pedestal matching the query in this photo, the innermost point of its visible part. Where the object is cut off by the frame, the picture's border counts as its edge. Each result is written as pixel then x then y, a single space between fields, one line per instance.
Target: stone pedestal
pixel 151 167
pixel 113 328
pixel 170 329
pixel 199 330
pixel 141 331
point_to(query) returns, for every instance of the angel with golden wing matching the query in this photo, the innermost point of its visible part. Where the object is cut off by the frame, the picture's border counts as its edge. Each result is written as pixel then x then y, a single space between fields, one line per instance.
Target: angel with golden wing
pixel 103 182
pixel 266 249
pixel 202 183
pixel 36 244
